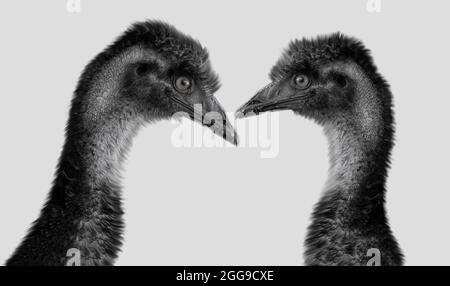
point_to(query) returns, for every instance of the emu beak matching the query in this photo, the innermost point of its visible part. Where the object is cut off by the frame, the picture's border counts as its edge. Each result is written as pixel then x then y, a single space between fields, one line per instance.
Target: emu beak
pixel 215 118
pixel 275 96
pixel 210 113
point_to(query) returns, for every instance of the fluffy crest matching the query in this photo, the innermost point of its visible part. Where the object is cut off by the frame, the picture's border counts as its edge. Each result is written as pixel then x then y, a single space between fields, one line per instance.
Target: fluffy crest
pixel 321 50
pixel 172 45
pixel 165 40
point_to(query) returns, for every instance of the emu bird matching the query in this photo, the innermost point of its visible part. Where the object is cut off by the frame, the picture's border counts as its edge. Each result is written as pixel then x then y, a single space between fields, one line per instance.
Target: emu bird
pixel 333 80
pixel 149 73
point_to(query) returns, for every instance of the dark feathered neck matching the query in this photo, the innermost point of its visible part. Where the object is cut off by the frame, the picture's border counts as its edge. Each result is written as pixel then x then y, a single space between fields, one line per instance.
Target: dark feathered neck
pixel 350 218
pixel 83 211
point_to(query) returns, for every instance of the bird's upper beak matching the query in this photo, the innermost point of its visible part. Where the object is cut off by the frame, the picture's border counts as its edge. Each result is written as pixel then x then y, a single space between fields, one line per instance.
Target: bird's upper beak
pixel 214 117
pixel 275 96
pixel 210 113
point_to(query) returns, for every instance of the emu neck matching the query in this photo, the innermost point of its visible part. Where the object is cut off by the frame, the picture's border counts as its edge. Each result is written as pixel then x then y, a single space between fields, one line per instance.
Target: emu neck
pixel 356 137
pixel 83 210
pixel 351 160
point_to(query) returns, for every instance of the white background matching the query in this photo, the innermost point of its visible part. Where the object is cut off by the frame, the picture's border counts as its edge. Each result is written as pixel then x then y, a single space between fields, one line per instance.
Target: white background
pixel 203 206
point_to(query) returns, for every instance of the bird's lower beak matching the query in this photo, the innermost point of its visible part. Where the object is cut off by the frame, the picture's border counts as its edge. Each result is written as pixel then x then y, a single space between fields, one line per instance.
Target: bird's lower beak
pixel 275 96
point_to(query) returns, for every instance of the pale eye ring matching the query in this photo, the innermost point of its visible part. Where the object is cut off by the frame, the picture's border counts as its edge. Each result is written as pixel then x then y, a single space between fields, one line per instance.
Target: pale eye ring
pixel 183 84
pixel 300 81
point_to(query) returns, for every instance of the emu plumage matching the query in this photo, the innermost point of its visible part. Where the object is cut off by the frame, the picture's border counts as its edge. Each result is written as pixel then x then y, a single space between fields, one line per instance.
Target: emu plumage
pixel 149 73
pixel 334 81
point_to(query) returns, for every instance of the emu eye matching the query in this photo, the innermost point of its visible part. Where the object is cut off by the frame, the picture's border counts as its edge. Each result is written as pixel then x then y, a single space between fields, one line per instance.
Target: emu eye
pixel 183 84
pixel 300 81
